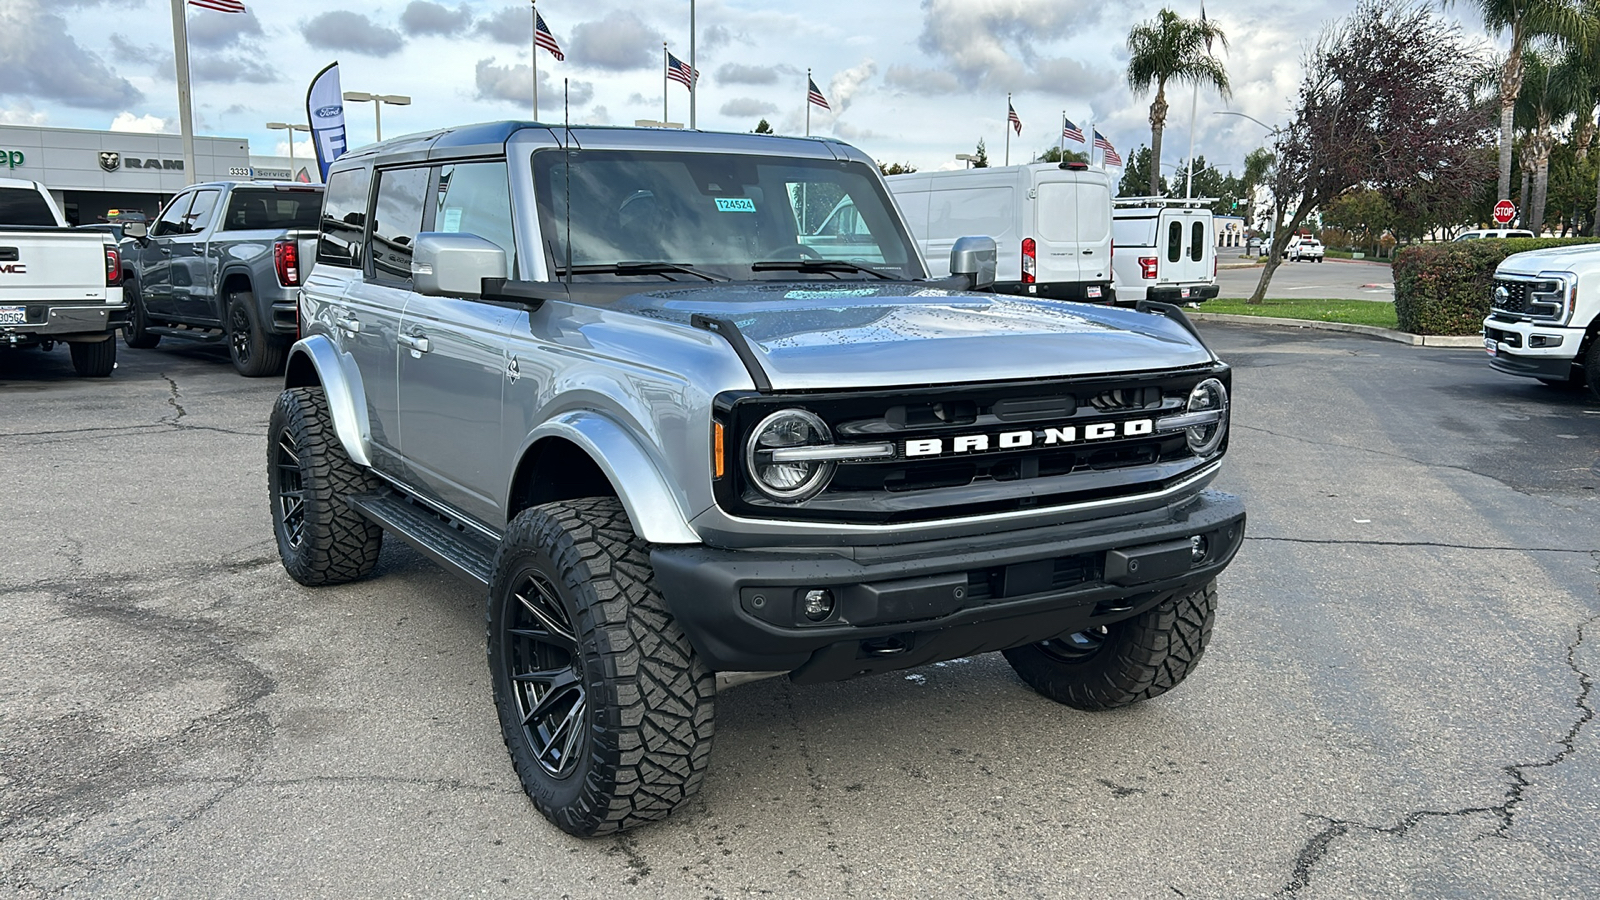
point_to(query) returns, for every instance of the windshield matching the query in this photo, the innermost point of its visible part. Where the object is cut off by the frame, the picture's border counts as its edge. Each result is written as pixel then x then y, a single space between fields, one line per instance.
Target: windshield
pixel 740 217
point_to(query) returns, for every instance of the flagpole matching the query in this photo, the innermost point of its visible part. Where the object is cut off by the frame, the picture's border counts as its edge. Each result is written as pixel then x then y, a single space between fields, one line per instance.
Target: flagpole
pixel 1092 142
pixel 1188 186
pixel 1063 137
pixel 180 57
pixel 808 103
pixel 533 53
pixel 664 84
pixel 1008 128
pixel 693 72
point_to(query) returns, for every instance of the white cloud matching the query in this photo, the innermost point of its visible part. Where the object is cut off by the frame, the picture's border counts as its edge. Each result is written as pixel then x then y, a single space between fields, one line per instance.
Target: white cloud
pixel 22 114
pixel 145 124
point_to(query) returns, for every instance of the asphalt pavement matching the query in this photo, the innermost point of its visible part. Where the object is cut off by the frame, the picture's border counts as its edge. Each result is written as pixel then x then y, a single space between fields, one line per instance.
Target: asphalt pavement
pixel 1328 280
pixel 1397 702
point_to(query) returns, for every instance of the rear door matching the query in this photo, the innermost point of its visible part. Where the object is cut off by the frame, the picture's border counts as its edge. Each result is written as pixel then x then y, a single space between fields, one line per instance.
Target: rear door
pixel 1056 226
pixel 1185 245
pixel 974 209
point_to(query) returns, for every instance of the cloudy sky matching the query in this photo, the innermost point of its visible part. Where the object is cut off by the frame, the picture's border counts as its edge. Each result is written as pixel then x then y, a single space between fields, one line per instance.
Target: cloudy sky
pixel 909 80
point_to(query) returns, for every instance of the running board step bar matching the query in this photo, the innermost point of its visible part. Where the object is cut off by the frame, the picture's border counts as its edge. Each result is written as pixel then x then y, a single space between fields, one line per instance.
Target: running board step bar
pixel 198 335
pixel 461 552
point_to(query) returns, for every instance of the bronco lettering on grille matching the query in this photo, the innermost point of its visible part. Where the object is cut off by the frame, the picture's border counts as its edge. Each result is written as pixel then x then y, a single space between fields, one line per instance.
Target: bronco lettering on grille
pixel 1042 437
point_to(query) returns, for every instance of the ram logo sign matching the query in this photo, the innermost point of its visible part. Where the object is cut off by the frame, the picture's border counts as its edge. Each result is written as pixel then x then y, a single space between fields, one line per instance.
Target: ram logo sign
pixel 110 161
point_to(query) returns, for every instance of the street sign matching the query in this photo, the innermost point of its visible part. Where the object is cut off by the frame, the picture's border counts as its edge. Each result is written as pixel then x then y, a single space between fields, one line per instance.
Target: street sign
pixel 1504 212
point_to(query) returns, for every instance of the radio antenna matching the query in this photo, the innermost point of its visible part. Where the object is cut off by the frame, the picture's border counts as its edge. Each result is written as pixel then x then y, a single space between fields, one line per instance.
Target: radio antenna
pixel 566 116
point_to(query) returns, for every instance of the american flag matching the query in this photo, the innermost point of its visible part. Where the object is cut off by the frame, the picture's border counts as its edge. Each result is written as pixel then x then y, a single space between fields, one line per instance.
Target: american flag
pixel 1070 131
pixel 543 37
pixel 678 71
pixel 815 95
pixel 1112 158
pixel 229 6
pixel 1011 116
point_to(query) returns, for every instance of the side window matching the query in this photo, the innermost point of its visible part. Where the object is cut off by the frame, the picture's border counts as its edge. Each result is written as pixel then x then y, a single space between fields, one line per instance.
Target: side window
pixel 396 219
pixel 171 221
pixel 1174 241
pixel 475 198
pixel 344 218
pixel 200 214
pixel 1197 246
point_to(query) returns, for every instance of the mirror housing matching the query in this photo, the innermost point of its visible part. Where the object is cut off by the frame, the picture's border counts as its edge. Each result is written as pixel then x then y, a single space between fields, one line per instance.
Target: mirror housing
pixel 136 230
pixel 974 259
pixel 454 265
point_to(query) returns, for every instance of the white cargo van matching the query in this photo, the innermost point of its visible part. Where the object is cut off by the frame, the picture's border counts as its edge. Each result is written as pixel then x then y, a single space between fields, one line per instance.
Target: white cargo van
pixel 1166 249
pixel 1052 224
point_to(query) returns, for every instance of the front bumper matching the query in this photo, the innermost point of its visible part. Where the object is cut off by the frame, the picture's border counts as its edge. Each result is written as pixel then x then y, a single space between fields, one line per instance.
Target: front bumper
pixel 1531 349
pixel 910 604
pixel 58 322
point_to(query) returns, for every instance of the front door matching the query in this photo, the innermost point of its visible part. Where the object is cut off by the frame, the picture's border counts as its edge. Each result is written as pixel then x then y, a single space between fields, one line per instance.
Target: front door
pixel 155 257
pixel 193 295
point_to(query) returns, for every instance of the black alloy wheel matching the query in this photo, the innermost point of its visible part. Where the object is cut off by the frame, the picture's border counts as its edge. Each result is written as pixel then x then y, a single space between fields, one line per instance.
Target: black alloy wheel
pixel 289 489
pixel 545 670
pixel 240 339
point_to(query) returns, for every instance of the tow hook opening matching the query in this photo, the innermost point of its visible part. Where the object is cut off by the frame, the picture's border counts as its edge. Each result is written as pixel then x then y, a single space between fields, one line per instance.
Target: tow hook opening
pixel 893 645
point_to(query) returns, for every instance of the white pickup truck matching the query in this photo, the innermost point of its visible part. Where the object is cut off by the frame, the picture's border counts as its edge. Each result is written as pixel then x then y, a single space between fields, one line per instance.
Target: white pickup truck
pixel 57 283
pixel 1540 324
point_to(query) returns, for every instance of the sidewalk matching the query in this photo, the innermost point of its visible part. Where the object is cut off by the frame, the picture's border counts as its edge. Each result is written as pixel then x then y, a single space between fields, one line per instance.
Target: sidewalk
pixel 1400 337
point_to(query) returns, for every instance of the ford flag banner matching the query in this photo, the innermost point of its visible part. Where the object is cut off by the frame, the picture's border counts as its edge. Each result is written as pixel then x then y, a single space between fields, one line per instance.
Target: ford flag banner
pixel 325 111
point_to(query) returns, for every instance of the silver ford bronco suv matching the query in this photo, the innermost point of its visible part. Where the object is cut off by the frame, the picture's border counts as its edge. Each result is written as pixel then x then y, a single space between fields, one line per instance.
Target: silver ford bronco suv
pixel 687 437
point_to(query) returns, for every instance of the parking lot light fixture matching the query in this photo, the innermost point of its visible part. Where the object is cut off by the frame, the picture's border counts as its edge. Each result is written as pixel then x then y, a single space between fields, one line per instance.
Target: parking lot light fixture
pixel 967 158
pixel 377 101
pixel 290 127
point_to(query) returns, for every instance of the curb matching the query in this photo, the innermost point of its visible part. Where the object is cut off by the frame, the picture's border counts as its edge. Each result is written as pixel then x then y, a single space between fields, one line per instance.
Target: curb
pixel 1388 334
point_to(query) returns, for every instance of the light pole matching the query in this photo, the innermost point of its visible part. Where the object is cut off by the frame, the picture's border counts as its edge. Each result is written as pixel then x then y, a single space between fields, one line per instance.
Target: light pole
pixel 1228 112
pixel 290 127
pixel 377 101
pixel 967 158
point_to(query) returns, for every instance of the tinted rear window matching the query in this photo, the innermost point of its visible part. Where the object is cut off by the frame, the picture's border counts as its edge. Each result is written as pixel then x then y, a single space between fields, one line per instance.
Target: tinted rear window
pixel 344 217
pixel 24 206
pixel 276 210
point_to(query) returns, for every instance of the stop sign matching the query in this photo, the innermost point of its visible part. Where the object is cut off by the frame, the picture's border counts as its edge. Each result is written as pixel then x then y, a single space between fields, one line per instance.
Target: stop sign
pixel 1504 212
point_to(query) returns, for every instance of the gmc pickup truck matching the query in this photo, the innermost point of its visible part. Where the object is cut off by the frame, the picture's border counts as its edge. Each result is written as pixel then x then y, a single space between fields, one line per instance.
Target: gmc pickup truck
pixel 222 262
pixel 57 283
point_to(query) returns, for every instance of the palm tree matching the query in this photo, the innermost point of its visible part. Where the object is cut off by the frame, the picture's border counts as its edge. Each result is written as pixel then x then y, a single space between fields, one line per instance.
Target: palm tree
pixel 1172 48
pixel 1542 102
pixel 1577 79
pixel 1525 20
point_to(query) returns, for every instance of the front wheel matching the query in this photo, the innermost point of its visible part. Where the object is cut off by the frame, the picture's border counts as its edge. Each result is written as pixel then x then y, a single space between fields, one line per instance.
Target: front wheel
pixel 604 705
pixel 136 333
pixel 321 540
pixel 94 360
pixel 1125 662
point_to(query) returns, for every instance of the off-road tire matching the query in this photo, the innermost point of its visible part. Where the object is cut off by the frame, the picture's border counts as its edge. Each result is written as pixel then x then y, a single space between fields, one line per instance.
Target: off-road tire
pixel 1591 366
pixel 322 540
pixel 94 360
pixel 646 725
pixel 1136 659
pixel 255 351
pixel 136 332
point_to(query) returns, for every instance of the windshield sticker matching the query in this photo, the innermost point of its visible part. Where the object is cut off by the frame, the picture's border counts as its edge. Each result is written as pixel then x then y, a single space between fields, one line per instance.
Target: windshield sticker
pixel 830 295
pixel 736 204
pixel 452 220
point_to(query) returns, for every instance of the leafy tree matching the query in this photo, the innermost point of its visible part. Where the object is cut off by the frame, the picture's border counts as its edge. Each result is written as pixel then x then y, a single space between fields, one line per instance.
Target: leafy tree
pixel 1054 155
pixel 1258 166
pixel 1136 176
pixel 1525 20
pixel 1383 105
pixel 762 127
pixel 1172 48
pixel 896 168
pixel 1542 101
pixel 1364 215
pixel 982 154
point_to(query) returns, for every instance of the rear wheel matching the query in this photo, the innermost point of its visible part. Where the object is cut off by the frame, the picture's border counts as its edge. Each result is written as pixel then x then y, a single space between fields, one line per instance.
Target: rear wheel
pixel 94 360
pixel 254 351
pixel 604 706
pixel 136 333
pixel 321 540
pixel 1125 662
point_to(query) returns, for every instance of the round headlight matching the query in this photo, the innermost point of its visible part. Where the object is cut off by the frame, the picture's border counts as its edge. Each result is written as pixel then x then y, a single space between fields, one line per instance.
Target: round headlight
pixel 1208 396
pixel 788 480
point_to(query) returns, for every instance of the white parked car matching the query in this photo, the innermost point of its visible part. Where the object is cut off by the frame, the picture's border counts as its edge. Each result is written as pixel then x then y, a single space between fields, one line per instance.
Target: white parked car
pixel 1304 248
pixel 1164 249
pixel 1478 234
pixel 1052 224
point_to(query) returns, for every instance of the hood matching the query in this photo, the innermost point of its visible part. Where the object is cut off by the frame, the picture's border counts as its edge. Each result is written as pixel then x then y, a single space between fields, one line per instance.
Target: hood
pixel 854 335
pixel 1573 258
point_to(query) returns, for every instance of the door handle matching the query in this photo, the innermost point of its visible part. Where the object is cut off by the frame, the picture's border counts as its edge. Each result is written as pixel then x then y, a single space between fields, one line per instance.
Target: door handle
pixel 348 323
pixel 415 342
pixel 1088 253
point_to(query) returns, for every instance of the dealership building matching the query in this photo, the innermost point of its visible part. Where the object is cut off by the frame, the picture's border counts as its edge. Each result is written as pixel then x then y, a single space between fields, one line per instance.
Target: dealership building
pixel 92 172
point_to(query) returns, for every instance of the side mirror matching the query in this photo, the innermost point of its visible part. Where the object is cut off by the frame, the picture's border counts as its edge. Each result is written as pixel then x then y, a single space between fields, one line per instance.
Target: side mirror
pixel 454 265
pixel 974 259
pixel 136 230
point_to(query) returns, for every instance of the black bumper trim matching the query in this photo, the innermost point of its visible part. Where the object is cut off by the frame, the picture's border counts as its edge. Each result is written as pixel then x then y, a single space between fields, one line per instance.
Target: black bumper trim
pixel 1174 293
pixel 909 596
pixel 1532 366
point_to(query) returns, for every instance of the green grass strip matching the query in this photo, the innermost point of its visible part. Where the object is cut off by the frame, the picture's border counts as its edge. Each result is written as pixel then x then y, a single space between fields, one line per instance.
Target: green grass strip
pixel 1354 312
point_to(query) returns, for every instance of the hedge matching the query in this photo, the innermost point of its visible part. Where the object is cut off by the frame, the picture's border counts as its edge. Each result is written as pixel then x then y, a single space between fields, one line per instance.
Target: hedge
pixel 1445 288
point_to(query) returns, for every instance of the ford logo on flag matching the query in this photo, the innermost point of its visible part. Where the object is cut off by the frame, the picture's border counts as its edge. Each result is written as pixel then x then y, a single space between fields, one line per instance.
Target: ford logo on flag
pixel 328 112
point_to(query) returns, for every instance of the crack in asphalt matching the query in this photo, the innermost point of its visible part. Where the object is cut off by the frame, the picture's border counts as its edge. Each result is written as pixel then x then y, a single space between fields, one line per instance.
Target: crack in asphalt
pixel 173 399
pixel 99 580
pixel 1439 544
pixel 174 421
pixel 1319 845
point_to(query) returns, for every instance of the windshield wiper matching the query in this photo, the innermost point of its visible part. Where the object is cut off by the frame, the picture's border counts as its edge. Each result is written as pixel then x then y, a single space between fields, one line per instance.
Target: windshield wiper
pixel 818 265
pixel 640 268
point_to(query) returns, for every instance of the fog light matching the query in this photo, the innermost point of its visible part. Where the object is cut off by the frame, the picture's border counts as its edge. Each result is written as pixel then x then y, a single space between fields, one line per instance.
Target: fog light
pixel 818 605
pixel 1198 548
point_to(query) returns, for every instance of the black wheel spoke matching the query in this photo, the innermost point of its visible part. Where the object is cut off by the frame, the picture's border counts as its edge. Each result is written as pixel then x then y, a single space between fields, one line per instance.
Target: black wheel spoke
pixel 566 734
pixel 538 604
pixel 562 689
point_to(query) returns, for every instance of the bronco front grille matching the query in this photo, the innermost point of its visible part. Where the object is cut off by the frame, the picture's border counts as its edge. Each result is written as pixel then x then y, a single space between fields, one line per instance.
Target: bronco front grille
pixel 930 478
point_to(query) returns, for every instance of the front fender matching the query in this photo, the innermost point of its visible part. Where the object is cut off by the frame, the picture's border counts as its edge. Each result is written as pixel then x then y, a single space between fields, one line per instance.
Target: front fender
pixel 643 489
pixel 341 383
